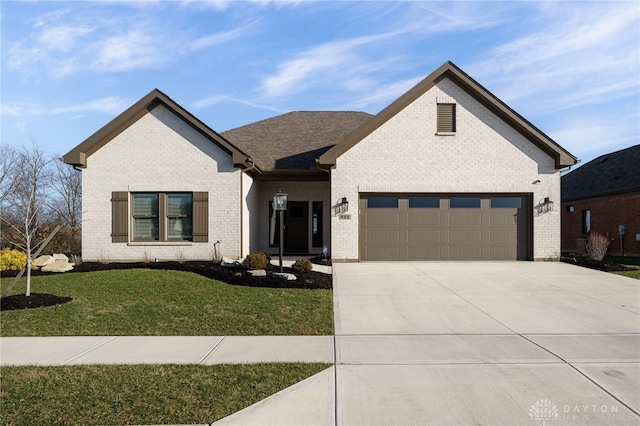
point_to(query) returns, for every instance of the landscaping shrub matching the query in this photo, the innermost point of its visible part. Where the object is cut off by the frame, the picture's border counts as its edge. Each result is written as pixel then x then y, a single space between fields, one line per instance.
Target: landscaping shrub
pixel 597 246
pixel 13 260
pixel 303 265
pixel 256 260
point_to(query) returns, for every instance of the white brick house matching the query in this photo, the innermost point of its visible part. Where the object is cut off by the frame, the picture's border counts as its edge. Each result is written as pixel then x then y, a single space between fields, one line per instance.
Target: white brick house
pixel 446 172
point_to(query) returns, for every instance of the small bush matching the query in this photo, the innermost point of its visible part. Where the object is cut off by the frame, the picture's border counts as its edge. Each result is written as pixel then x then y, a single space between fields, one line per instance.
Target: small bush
pixel 303 265
pixel 597 246
pixel 13 260
pixel 256 260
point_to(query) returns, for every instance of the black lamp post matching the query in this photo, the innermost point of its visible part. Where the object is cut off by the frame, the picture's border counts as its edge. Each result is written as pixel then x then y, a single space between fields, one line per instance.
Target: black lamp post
pixel 280 205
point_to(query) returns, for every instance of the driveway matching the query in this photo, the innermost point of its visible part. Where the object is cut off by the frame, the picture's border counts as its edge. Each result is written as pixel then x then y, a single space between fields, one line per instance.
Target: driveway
pixel 485 343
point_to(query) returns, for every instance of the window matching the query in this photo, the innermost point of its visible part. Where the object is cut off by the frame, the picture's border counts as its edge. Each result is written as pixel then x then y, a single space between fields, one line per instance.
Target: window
pixel 316 224
pixel 159 217
pixel 424 202
pixel 570 209
pixel 382 202
pixel 586 221
pixel 506 202
pixel 162 216
pixel 446 119
pixel 464 202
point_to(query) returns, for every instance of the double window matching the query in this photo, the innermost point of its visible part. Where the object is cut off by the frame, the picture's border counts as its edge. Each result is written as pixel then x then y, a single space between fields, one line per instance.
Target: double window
pixel 160 217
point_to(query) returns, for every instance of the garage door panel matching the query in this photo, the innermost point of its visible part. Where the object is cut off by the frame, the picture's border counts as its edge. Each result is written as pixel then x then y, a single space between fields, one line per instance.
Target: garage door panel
pixel 383 219
pixel 424 236
pixel 424 252
pixel 465 252
pixel 382 236
pixel 465 235
pixel 423 219
pixel 386 253
pixel 499 227
pixel 503 236
pixel 471 219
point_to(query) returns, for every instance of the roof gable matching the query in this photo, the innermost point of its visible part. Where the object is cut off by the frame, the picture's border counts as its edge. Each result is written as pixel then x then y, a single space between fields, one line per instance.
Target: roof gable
pixel 613 173
pixel 78 155
pixel 449 70
pixel 293 141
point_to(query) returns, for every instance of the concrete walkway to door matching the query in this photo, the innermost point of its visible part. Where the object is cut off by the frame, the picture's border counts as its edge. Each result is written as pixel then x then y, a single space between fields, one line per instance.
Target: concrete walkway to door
pixel 485 343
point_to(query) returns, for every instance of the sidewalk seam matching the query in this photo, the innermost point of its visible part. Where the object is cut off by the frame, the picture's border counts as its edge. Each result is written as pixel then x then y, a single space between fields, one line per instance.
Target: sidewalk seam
pixel 213 348
pixel 89 350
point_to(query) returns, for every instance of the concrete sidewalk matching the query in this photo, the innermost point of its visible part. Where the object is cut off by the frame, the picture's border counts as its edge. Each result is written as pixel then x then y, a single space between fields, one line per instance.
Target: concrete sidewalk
pixel 206 350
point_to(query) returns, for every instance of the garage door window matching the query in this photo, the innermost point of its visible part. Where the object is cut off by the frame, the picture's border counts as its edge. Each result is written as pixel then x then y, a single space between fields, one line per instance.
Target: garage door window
pixel 424 202
pixel 506 202
pixel 464 202
pixel 382 202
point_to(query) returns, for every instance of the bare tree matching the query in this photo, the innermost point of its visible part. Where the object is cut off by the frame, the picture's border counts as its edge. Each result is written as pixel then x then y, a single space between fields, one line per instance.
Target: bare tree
pixel 8 156
pixel 26 207
pixel 67 184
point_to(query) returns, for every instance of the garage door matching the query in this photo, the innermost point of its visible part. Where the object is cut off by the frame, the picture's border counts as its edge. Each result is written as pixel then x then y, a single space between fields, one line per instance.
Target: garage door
pixel 444 227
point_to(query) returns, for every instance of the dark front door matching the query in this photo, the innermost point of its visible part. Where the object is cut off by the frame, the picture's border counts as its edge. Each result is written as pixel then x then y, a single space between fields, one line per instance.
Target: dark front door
pixel 296 232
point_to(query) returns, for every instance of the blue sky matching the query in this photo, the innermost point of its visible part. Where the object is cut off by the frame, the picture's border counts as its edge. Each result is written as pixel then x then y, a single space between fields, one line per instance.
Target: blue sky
pixel 572 68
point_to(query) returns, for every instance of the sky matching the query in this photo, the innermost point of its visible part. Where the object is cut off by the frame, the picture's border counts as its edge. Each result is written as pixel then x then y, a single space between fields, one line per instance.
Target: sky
pixel 572 68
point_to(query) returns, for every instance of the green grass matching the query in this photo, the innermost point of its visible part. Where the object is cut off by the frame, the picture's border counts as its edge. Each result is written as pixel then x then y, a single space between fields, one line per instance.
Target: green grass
pixel 139 394
pixel 162 303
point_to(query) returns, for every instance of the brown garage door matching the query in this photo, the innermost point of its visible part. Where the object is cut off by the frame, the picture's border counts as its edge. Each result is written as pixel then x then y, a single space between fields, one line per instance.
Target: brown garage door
pixel 444 227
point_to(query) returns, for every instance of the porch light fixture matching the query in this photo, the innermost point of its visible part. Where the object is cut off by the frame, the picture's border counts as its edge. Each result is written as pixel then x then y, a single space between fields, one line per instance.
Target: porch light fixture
pixel 547 205
pixel 280 205
pixel 343 205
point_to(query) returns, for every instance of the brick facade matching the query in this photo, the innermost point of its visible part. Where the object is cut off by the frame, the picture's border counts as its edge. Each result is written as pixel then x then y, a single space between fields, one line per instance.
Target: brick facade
pixel 607 213
pixel 160 152
pixel 486 155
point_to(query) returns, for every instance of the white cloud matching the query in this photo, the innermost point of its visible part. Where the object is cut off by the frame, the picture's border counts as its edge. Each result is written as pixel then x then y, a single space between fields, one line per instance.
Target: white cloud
pixel 135 50
pixel 106 105
pixel 218 99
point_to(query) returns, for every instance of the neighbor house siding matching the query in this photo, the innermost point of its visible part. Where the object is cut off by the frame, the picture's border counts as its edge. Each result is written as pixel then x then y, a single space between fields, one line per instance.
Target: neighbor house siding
pixel 484 156
pixel 160 153
pixel 607 213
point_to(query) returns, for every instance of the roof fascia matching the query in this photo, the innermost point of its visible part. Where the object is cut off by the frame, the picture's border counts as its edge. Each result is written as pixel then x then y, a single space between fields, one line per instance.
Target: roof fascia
pixel 561 157
pixel 78 155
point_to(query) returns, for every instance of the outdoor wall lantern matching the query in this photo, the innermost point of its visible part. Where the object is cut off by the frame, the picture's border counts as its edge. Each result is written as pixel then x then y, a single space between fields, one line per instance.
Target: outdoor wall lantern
pixel 280 205
pixel 547 205
pixel 343 205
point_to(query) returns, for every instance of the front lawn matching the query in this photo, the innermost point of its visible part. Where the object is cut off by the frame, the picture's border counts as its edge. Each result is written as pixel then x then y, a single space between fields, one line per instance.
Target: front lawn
pixel 164 303
pixel 139 394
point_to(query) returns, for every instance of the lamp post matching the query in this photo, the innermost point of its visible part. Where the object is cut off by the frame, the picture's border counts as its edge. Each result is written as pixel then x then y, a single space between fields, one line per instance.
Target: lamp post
pixel 280 205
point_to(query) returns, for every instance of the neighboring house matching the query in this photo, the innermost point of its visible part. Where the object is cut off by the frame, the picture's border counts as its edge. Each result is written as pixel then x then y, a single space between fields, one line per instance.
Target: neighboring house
pixel 602 196
pixel 446 172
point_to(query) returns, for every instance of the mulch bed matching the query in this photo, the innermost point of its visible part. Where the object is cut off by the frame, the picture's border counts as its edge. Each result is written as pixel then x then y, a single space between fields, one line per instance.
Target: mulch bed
pixel 597 264
pixel 304 280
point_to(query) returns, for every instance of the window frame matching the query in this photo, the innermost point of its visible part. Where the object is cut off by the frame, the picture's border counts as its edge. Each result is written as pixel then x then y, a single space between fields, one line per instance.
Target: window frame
pixel 163 217
pixel 586 221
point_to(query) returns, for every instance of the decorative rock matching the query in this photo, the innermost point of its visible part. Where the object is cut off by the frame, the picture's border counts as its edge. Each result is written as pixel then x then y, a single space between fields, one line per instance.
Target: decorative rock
pixel 43 261
pixel 60 256
pixel 58 265
pixel 284 276
pixel 230 263
pixel 257 273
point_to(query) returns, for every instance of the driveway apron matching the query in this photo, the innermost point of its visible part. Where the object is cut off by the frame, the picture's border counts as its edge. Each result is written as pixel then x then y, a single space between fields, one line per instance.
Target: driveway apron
pixel 485 343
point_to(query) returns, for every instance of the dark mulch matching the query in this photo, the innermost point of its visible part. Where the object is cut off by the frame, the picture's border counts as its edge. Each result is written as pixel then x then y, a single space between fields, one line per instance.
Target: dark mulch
pixel 35 300
pixel 597 264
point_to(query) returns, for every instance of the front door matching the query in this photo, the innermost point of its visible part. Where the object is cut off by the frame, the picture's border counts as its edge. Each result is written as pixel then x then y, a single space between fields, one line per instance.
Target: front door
pixel 296 232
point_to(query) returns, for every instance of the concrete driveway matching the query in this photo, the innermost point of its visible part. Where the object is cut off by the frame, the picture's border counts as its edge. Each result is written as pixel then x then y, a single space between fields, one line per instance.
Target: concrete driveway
pixel 485 343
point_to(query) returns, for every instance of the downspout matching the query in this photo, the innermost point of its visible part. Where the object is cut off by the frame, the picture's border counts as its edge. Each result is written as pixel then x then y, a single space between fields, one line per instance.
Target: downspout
pixel 252 166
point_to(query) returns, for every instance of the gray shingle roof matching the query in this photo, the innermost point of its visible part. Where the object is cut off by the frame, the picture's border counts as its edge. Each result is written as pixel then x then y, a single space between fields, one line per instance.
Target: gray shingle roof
pixel 294 140
pixel 610 173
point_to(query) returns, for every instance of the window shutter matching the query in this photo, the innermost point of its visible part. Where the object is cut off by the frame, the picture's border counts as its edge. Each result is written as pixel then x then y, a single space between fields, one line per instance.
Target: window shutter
pixel 200 217
pixel 446 118
pixel 120 217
